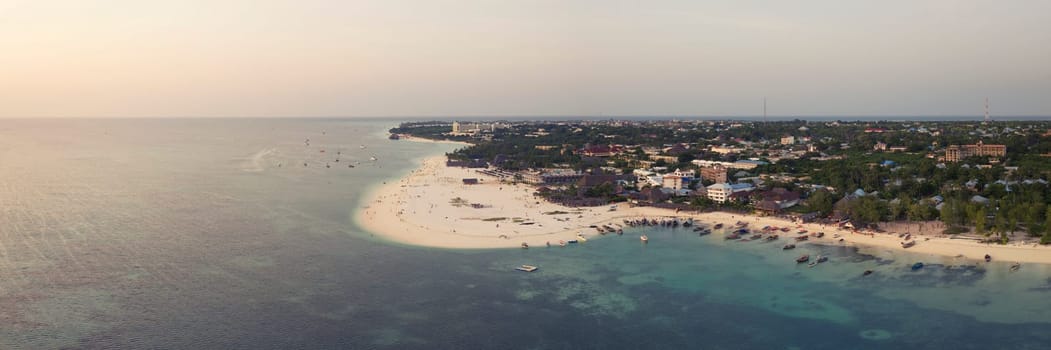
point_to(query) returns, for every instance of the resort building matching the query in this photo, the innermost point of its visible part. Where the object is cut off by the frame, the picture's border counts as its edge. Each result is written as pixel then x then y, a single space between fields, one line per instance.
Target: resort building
pixel 955 153
pixel 716 173
pixel 673 182
pixel 788 140
pixel 721 192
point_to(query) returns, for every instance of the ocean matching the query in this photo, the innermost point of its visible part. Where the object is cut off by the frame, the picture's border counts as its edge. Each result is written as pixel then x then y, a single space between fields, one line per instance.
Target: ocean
pixel 240 234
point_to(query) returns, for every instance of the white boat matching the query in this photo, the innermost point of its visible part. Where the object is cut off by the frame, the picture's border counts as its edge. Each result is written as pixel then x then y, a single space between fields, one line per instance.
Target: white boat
pixel 527 268
pixel 373 158
pixel 644 239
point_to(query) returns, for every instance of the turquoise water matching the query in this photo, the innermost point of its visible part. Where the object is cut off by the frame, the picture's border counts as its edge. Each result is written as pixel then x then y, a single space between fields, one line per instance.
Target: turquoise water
pixel 211 233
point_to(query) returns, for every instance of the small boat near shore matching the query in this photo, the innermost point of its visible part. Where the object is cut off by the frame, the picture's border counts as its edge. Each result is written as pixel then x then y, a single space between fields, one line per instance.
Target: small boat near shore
pixel 718 226
pixel 866 273
pixel 988 258
pixel 527 268
pixel 802 258
pixel 917 266
pixel 802 238
pixel 908 244
pixel 1015 267
pixel 788 246
pixel 770 238
pixel 644 239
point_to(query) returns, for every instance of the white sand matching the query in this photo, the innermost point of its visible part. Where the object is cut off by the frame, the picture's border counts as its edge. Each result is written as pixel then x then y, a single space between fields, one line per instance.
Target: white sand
pixel 420 210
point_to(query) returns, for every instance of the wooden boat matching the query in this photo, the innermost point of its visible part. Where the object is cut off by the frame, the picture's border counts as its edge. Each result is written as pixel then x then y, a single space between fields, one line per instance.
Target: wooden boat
pixel 802 259
pixel 785 229
pixel 908 244
pixel 732 236
pixel 771 238
pixel 756 236
pixel 527 268
pixel 917 266
pixel 718 226
pixel 866 273
pixel 802 238
pixel 644 239
pixel 788 246
pixel 822 259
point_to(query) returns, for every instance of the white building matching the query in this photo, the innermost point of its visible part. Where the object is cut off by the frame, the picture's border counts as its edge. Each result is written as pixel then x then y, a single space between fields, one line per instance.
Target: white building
pixel 720 192
pixel 672 181
pixel 788 140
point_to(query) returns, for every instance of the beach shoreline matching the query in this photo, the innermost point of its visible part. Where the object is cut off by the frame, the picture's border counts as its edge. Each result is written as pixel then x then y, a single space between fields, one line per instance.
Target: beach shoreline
pixel 433 207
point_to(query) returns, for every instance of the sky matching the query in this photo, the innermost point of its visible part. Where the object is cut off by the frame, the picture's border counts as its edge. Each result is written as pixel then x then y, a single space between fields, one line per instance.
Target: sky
pixel 347 58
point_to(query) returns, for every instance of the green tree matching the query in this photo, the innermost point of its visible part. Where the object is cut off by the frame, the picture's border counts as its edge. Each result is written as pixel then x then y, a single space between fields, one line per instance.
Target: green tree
pixel 979 221
pixel 821 201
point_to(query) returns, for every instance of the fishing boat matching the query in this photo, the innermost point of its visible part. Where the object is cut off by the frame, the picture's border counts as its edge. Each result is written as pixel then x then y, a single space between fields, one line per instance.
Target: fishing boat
pixel 802 259
pixel 788 246
pixel 718 226
pixel 908 244
pixel 732 236
pixel 802 238
pixel 866 273
pixel 812 263
pixel 822 259
pixel 917 266
pixel 770 238
pixel 644 239
pixel 756 236
pixel 704 232
pixel 527 268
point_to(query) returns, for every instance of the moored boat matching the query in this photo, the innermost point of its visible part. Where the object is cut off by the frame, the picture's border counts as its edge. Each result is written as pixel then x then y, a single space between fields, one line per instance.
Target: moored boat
pixel 788 246
pixel 802 259
pixel 644 239
pixel 802 238
pixel 866 273
pixel 988 258
pixel 527 268
pixel 908 244
pixel 917 266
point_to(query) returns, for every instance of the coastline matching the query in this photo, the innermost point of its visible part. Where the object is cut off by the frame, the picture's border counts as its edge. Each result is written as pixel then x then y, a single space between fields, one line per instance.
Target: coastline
pixel 432 207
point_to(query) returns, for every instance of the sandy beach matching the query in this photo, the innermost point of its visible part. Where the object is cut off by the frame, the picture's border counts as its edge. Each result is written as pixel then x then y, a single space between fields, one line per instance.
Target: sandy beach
pixel 433 207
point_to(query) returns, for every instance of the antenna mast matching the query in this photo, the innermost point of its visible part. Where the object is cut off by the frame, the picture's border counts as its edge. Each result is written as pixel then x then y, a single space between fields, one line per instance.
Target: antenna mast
pixel 987 110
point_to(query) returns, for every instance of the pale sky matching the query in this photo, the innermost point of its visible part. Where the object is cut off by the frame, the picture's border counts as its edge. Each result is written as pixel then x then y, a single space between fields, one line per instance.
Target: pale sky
pixel 131 58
